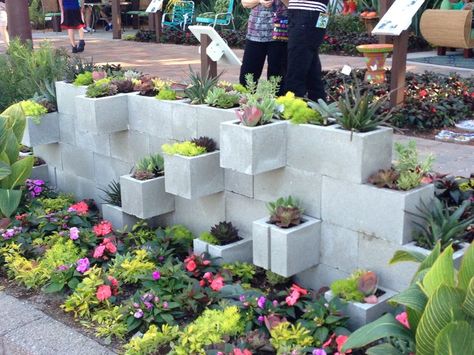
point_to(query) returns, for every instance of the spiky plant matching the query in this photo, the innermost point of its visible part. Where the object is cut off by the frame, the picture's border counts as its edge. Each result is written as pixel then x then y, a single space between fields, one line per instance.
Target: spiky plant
pixel 208 143
pixel 149 167
pixel 225 233
pixel 199 87
pixel 112 194
pixel 285 212
pixel 385 178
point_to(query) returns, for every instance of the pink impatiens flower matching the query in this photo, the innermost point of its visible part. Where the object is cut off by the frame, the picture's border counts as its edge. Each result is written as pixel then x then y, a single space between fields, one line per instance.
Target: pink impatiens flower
pixel 74 233
pixel 156 275
pixel 217 283
pixel 103 228
pixel 99 251
pixel 403 318
pixel 103 292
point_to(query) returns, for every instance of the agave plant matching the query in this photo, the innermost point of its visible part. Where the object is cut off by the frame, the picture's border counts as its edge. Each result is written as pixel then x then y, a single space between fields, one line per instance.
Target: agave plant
pixel 149 167
pixel 329 112
pixel 112 194
pixel 199 87
pixel 285 212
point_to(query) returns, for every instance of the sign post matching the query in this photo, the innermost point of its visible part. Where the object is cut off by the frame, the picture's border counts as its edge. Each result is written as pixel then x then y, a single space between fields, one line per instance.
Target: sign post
pixel 116 20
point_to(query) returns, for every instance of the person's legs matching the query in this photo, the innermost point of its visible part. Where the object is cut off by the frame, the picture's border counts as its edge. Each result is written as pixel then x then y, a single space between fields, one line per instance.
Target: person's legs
pixel 254 60
pixel 72 39
pixel 277 62
pixel 4 34
pixel 88 18
pixel 315 82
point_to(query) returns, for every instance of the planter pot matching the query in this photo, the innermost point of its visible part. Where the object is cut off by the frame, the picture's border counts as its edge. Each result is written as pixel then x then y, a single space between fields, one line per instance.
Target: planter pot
pixel 40 172
pixel 238 251
pixel 193 177
pixel 102 115
pixel 45 132
pixel 200 246
pixel 119 219
pixel 457 256
pixel 331 152
pixel 145 199
pixel 286 251
pixel 253 150
pixel 375 56
pixel 66 96
pixel 379 212
pixel 363 313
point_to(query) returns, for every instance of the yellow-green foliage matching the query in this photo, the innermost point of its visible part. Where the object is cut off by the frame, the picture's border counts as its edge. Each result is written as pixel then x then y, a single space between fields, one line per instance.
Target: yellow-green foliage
pixel 84 79
pixel 33 109
pixel 84 298
pixel 110 322
pixel 209 328
pixel 63 252
pixel 131 268
pixel 209 238
pixel 287 337
pixel 59 203
pixel 297 110
pixel 348 289
pixel 166 94
pixel 152 340
pixel 188 149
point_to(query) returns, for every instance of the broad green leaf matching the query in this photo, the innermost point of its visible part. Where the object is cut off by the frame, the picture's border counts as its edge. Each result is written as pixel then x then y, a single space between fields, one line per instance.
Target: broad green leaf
pixel 468 304
pixel 9 201
pixel 413 318
pixel 466 271
pixel 441 273
pixel 4 170
pixel 406 255
pixel 53 287
pixel 3 133
pixel 443 307
pixel 12 149
pixel 21 170
pixel 16 119
pixel 457 338
pixel 412 297
pixel 430 259
pixel 383 349
pixel 383 327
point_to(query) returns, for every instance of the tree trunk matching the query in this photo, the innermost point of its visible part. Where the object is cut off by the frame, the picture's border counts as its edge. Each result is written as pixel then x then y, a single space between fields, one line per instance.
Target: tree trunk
pixel 19 20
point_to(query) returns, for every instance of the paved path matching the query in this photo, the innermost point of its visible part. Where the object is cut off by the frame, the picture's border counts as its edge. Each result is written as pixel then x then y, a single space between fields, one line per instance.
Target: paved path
pixel 25 330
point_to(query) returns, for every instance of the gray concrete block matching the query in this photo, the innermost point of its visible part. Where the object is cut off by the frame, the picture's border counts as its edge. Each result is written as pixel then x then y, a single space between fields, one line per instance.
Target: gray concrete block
pixel 155 144
pixel 151 116
pixel 253 150
pixel 209 121
pixel 98 143
pixel 242 211
pixel 67 128
pixel 102 115
pixel 303 185
pixel 184 122
pixel 77 161
pixel 145 199
pixel 50 153
pixel 119 219
pixel 383 213
pixel 261 243
pixel 107 169
pixel 457 255
pixel 319 276
pixel 80 187
pixel 46 132
pixel 129 146
pixel 330 151
pixel 40 172
pixel 339 247
pixel 193 177
pixel 66 95
pixel 230 253
pixel 239 183
pixel 200 246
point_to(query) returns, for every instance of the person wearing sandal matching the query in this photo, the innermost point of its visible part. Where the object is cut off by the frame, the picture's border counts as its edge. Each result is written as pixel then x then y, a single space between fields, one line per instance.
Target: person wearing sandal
pixel 72 19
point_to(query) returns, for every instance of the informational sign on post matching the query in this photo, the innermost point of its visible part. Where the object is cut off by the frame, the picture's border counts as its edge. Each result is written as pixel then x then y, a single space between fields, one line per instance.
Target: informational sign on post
pixel 155 6
pixel 398 17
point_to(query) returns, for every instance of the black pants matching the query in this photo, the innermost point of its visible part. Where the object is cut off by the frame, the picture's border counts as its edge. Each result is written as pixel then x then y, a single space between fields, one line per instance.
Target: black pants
pixel 304 67
pixel 255 54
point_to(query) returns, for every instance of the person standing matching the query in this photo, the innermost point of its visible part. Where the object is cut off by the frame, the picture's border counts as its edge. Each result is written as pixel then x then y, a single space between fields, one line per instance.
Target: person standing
pixel 261 42
pixel 72 19
pixel 4 23
pixel 307 22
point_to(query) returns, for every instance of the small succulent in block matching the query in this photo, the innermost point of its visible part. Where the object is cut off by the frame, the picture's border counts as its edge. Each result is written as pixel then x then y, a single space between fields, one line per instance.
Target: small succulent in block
pixel 149 167
pixel 367 284
pixel 101 88
pixel 361 286
pixel 285 212
pixel 208 143
pixel 146 86
pixel 222 233
pixel 386 178
pixel 123 85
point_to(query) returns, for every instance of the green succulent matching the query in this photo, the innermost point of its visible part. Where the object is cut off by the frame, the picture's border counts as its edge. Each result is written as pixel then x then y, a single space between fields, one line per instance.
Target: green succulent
pixel 199 87
pixel 149 167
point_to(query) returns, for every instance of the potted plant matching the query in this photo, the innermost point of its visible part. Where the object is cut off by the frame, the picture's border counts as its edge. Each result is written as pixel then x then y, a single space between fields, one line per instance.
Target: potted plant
pixel 223 241
pixel 287 242
pixel 366 300
pixel 42 125
pixel 193 168
pixel 112 208
pixel 248 144
pixel 143 192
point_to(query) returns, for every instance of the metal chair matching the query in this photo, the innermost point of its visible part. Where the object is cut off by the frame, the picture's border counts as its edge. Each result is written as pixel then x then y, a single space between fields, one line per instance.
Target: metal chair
pixel 51 12
pixel 222 16
pixel 181 15
pixel 142 6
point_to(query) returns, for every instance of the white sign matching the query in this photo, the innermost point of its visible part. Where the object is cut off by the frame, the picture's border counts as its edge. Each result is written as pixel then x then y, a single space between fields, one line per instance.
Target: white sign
pixel 398 17
pixel 155 6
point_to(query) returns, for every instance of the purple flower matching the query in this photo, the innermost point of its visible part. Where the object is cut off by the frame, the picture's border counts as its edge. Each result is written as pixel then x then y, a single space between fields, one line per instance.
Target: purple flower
pixel 147 297
pixel 260 319
pixel 161 259
pixel 63 267
pixel 319 352
pixel 35 187
pixel 10 232
pixel 74 233
pixel 261 302
pixel 138 313
pixel 148 305
pixel 165 305
pixel 275 303
pixel 156 275
pixel 136 305
pixel 83 265
pixel 242 298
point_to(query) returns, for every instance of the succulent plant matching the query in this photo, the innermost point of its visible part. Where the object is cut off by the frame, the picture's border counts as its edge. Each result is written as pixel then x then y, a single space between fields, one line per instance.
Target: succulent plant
pixel 385 178
pixel 220 97
pixel 146 87
pixel 149 167
pixel 98 75
pixel 112 194
pixel 367 283
pixel 225 233
pixel 101 88
pixel 285 212
pixel 200 87
pixel 250 116
pixel 208 143
pixel 123 85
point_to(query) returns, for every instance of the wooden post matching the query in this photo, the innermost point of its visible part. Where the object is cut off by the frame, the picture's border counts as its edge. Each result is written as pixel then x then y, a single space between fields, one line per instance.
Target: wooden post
pixel 157 18
pixel 19 25
pixel 208 66
pixel 116 19
pixel 399 68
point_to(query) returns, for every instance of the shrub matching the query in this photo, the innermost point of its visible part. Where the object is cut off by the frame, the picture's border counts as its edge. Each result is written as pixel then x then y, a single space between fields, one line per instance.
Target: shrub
pixel 188 149
pixel 33 110
pixel 131 268
pixel 84 79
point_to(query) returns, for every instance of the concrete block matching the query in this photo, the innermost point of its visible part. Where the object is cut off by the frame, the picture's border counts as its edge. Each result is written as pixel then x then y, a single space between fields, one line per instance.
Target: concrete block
pixel 102 115
pixel 261 243
pixel 107 169
pixel 80 187
pixel 119 219
pixel 330 151
pixel 383 213
pixel 209 121
pixel 145 199
pixel 129 146
pixel 77 161
pixel 200 246
pixel 292 250
pixel 40 172
pixel 242 211
pixel 66 95
pixel 184 122
pixel 97 143
pixel 50 153
pixel 239 183
pixel 155 144
pixel 230 253
pixel 193 177
pixel 304 185
pixel 457 255
pixel 363 313
pixel 46 132
pixel 200 214
pixel 67 128
pixel 151 116
pixel 319 276
pixel 253 150
pixel 339 247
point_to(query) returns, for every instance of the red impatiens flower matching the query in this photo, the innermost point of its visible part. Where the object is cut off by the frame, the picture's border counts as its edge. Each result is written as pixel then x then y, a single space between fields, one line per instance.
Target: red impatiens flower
pixel 240 352
pixel 299 289
pixel 340 341
pixel 217 283
pixel 296 293
pixel 103 228
pixel 99 251
pixel 423 93
pixel 191 265
pixel 106 245
pixel 81 208
pixel 114 285
pixel 103 292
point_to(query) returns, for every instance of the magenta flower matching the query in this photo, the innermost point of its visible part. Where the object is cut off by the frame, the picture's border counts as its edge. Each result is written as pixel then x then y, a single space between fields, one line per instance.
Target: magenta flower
pixel 260 319
pixel 138 313
pixel 83 265
pixel 63 267
pixel 148 305
pixel 165 305
pixel 156 275
pixel 261 302
pixel 74 233
pixel 319 352
pixel 242 298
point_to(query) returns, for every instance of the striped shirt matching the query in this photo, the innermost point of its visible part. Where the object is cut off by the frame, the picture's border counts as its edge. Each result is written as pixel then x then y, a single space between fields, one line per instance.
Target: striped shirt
pixel 310 5
pixel 260 24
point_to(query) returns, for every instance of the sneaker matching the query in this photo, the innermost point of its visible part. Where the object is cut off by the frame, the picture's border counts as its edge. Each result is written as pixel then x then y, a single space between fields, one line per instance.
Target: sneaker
pixel 86 30
pixel 74 49
pixel 80 47
pixel 108 27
